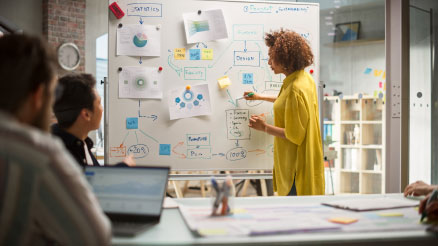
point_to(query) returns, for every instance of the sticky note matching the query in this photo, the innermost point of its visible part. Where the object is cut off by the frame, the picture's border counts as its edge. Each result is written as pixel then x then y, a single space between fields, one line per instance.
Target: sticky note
pixel 368 70
pixel 247 78
pixel 164 149
pixel 377 73
pixel 391 214
pixel 224 82
pixel 380 84
pixel 179 54
pixel 375 94
pixel 195 54
pixel 207 54
pixel 132 123
pixel 343 220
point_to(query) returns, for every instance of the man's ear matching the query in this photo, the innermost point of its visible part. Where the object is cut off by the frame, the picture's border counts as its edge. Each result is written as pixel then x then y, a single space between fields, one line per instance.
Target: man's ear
pixel 86 114
pixel 37 100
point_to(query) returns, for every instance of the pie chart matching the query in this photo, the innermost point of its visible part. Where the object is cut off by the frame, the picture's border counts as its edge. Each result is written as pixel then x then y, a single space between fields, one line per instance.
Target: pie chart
pixel 140 40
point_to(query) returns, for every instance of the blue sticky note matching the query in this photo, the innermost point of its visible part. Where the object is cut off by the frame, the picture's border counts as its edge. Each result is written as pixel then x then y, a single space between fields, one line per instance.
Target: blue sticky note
pixel 132 123
pixel 195 54
pixel 248 78
pixel 368 70
pixel 164 149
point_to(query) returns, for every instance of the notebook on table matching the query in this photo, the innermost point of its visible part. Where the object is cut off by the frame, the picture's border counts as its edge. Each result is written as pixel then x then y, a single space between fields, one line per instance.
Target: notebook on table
pixel 132 197
pixel 366 204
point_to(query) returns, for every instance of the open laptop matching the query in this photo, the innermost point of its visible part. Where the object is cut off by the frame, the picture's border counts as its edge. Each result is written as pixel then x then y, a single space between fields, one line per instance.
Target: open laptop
pixel 132 197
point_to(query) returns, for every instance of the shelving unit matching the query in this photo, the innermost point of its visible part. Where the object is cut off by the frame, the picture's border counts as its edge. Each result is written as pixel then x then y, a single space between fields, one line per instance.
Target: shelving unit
pixel 355 124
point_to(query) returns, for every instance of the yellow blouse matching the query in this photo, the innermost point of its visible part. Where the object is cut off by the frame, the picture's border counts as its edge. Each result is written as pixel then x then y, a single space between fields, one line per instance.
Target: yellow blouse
pixel 300 154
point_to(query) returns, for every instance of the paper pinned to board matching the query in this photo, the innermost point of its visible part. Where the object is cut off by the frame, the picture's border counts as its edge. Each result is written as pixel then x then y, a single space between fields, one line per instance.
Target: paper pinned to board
pixel 185 103
pixel 205 26
pixel 140 82
pixel 138 40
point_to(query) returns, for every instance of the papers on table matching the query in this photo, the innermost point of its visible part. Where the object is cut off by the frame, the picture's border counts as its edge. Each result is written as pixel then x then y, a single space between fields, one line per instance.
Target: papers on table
pixel 256 220
pixel 286 219
pixel 367 204
pixel 138 40
pixel 205 26
pixel 185 103
pixel 140 82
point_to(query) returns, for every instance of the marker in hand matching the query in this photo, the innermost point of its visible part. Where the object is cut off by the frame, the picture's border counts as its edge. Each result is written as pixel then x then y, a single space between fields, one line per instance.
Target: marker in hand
pixel 246 96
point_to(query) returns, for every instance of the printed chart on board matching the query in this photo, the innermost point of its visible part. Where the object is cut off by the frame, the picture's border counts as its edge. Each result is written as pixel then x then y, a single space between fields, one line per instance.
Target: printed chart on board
pixel 177 73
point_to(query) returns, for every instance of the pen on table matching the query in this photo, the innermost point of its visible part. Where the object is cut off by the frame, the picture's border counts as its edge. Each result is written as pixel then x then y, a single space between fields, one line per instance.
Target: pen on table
pixel 432 197
pixel 247 95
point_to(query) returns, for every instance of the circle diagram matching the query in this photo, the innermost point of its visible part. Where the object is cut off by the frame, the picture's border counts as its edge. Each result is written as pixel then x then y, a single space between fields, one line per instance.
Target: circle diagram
pixel 140 40
pixel 140 83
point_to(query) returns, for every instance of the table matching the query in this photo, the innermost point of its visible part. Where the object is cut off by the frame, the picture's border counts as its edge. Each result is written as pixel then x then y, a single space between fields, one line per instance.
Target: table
pixel 172 229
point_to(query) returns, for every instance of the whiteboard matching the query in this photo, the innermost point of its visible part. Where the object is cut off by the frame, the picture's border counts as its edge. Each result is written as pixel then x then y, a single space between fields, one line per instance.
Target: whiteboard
pixel 221 140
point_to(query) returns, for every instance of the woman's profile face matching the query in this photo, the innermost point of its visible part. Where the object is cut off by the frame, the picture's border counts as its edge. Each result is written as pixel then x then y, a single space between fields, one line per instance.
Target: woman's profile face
pixel 274 66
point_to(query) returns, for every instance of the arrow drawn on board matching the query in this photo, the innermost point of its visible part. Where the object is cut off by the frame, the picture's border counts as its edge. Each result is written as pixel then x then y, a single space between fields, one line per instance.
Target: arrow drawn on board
pixel 237 143
pixel 258 151
pixel 177 69
pixel 181 156
pixel 152 116
pixel 140 61
pixel 231 100
pixel 141 21
pixel 228 70
pixel 148 136
pixel 124 139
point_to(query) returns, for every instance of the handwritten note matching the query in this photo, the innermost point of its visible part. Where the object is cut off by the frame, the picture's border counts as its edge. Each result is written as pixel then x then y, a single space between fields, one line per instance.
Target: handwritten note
pixel 207 54
pixel 180 54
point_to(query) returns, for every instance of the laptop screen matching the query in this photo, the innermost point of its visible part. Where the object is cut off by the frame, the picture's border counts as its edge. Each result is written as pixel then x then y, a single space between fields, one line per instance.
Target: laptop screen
pixel 129 190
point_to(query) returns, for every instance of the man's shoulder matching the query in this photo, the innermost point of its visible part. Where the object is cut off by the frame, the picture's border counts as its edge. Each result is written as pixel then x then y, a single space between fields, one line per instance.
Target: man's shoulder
pixel 27 143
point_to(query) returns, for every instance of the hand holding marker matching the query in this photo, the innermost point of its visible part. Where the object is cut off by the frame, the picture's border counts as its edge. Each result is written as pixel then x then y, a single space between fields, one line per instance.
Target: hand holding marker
pixel 247 96
pixel 432 197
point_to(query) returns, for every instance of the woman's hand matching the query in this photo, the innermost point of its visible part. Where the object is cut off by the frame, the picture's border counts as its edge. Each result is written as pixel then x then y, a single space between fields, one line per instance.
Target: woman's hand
pixel 257 122
pixel 251 95
pixel 129 160
pixel 418 188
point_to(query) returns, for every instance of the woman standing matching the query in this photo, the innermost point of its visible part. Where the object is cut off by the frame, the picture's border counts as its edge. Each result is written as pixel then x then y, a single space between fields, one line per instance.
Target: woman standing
pixel 298 157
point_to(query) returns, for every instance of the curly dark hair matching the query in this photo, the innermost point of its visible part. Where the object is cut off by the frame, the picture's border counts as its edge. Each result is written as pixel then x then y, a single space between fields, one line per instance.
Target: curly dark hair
pixel 288 49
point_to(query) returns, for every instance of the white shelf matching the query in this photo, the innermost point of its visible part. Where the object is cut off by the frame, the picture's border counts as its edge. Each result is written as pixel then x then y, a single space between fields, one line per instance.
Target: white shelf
pixel 372 146
pixel 369 117
pixel 371 122
pixel 346 146
pixel 350 122
pixel 349 171
pixel 371 172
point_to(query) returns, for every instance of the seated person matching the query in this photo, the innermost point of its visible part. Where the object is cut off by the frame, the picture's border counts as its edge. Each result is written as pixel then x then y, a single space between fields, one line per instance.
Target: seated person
pixel 44 197
pixel 420 188
pixel 78 111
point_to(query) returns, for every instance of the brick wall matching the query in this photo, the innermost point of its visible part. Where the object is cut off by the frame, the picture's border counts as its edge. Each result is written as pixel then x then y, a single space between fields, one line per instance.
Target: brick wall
pixel 64 21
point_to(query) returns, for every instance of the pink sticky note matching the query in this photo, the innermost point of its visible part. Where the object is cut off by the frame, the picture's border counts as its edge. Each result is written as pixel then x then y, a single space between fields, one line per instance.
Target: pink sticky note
pixel 380 84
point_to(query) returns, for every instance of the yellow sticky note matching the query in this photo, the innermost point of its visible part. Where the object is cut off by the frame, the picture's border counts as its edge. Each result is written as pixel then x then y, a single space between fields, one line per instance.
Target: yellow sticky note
pixel 375 94
pixel 224 82
pixel 179 54
pixel 391 214
pixel 206 54
pixel 343 220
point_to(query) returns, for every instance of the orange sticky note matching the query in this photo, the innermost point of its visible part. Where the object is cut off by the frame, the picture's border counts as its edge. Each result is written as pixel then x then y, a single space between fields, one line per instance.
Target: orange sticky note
pixel 343 220
pixel 179 54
